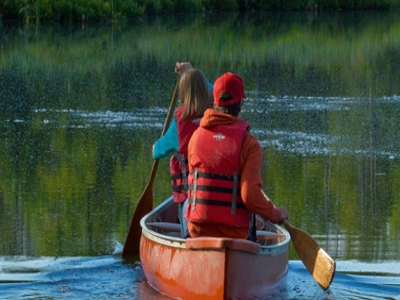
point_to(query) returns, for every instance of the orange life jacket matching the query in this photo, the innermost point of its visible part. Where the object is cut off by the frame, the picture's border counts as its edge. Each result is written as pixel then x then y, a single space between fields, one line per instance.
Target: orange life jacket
pixel 178 163
pixel 214 182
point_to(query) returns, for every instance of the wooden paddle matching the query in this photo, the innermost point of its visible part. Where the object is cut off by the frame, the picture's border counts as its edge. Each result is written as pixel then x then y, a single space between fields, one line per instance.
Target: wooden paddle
pixel 318 262
pixel 145 204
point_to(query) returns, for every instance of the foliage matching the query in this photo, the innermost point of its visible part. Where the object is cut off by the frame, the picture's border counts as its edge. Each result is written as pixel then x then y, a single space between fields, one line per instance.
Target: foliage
pixel 77 10
pixel 222 5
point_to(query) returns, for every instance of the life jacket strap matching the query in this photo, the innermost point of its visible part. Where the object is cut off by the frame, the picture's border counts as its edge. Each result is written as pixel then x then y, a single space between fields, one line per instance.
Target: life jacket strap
pixel 184 172
pixel 215 202
pixel 217 176
pixel 213 189
pixel 195 175
pixel 234 195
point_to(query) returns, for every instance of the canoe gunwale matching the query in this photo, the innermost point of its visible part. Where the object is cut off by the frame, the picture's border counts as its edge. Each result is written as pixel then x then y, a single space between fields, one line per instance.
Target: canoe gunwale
pixel 178 242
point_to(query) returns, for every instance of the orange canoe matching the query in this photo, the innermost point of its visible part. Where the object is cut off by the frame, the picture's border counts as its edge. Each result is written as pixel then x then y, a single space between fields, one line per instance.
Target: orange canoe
pixel 211 268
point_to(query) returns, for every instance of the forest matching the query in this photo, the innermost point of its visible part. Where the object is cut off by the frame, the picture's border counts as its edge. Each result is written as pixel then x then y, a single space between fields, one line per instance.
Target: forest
pixel 71 11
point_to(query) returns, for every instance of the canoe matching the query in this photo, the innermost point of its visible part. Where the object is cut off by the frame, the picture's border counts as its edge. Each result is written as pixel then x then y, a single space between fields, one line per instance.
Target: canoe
pixel 208 267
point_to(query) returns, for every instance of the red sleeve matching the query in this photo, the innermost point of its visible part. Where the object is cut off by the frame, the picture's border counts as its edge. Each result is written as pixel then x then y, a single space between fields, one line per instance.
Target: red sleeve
pixel 251 182
pixel 190 148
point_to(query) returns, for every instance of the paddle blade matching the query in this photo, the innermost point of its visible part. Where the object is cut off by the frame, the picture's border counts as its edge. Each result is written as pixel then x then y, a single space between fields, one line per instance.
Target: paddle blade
pixel 144 206
pixel 317 261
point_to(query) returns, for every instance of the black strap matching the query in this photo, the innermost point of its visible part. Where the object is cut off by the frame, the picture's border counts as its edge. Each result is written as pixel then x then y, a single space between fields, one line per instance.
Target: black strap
pixel 213 189
pixel 216 202
pixel 253 228
pixel 216 176
pixel 176 176
pixel 177 188
pixel 234 195
pixel 184 172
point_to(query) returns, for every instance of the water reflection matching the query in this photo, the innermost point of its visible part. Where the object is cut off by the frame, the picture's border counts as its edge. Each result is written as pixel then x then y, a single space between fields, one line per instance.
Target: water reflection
pixel 80 109
pixel 306 129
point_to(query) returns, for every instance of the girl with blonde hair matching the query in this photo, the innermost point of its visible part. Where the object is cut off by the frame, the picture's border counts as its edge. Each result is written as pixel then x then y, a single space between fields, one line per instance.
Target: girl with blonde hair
pixel 195 94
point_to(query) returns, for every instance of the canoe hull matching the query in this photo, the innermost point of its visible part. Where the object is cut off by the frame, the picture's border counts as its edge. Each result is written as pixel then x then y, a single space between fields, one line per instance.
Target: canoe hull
pixel 178 273
pixel 211 268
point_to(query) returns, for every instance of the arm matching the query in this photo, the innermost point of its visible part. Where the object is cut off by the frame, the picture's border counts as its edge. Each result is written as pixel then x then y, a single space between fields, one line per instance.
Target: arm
pixel 210 85
pixel 182 67
pixel 251 182
pixel 167 143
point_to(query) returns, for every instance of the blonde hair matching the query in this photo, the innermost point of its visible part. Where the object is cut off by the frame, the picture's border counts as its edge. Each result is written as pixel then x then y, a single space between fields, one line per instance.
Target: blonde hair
pixel 194 94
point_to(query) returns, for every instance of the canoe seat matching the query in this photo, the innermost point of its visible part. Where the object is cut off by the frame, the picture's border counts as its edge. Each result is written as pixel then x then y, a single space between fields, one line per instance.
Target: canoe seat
pixel 167 228
pixel 201 243
pixel 268 235
pixel 165 225
pixel 265 238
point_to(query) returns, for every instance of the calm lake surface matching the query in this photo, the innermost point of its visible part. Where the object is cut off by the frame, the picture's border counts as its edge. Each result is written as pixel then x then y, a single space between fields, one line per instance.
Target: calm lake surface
pixel 81 106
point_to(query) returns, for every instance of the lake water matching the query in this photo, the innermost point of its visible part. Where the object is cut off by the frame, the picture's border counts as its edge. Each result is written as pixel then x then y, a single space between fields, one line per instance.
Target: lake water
pixel 105 277
pixel 80 107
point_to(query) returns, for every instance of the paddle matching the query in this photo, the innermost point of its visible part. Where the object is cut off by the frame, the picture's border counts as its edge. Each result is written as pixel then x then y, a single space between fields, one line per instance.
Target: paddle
pixel 145 204
pixel 318 262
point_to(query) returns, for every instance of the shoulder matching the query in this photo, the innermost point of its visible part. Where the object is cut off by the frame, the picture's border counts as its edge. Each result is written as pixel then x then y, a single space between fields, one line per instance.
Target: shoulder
pixel 179 110
pixel 243 124
pixel 250 143
pixel 250 138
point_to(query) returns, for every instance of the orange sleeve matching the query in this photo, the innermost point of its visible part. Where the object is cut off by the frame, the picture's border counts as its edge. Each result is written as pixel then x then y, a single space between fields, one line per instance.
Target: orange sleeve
pixel 251 182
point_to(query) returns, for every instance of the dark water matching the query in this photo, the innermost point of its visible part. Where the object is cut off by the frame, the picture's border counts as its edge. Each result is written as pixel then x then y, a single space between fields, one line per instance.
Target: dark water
pixel 80 107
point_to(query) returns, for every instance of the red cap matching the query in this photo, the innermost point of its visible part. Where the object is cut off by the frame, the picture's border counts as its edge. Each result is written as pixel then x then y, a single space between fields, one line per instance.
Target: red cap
pixel 229 83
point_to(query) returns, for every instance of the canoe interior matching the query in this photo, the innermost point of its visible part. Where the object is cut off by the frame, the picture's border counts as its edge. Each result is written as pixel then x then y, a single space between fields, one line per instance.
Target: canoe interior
pixel 211 268
pixel 164 222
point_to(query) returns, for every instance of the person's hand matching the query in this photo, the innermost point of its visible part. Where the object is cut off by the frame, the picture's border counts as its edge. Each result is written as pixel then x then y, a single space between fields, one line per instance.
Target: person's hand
pixel 182 67
pixel 284 212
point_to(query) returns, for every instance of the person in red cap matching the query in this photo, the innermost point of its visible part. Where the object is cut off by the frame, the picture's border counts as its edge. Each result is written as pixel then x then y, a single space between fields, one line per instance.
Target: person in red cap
pixel 225 184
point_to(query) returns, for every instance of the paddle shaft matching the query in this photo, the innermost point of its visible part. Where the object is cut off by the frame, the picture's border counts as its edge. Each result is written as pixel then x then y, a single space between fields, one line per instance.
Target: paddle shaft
pixel 145 204
pixel 317 261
